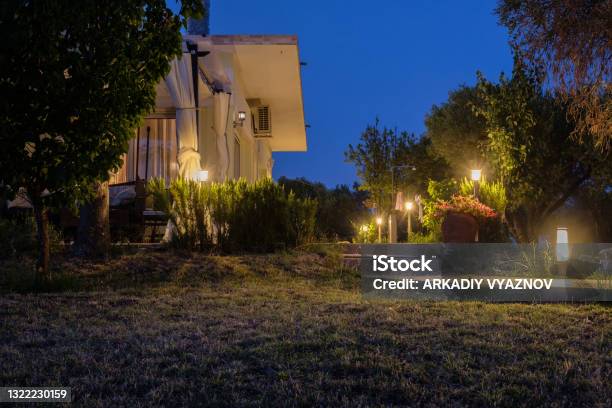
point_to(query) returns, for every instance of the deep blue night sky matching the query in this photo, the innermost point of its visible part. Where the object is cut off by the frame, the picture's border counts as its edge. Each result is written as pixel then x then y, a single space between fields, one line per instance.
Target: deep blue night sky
pixel 391 59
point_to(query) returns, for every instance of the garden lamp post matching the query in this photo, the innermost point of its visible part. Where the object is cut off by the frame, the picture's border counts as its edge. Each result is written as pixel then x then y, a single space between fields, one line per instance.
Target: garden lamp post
pixel 562 247
pixel 403 166
pixel 409 205
pixel 392 217
pixel 379 223
pixel 476 175
pixel 562 250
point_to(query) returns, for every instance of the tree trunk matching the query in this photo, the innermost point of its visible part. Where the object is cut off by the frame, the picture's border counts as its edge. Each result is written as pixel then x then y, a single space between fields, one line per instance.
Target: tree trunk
pixel 93 235
pixel 42 230
pixel 520 225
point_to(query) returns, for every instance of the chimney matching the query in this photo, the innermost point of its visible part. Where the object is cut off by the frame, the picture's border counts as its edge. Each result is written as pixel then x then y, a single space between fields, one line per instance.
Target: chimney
pixel 201 26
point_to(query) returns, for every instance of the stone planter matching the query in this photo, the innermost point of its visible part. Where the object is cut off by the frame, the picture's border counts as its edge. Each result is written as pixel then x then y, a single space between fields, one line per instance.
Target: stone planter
pixel 459 227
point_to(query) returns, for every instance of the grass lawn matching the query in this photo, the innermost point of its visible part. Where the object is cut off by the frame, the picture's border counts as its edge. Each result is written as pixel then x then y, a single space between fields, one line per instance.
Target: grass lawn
pixel 163 328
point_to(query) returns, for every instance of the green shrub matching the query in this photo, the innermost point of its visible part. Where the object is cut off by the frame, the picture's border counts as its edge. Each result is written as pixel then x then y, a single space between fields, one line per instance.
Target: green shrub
pixel 302 213
pixel 235 215
pixel 490 193
pixel 423 238
pixel 436 191
pixel 366 233
pixel 186 202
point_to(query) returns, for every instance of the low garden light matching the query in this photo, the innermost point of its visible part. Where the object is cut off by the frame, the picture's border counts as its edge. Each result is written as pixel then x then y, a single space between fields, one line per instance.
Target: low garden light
pixel 562 247
pixel 409 205
pixel 476 176
pixel 379 222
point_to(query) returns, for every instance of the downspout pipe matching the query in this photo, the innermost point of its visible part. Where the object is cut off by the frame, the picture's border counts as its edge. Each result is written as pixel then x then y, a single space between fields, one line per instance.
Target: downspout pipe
pixel 195 54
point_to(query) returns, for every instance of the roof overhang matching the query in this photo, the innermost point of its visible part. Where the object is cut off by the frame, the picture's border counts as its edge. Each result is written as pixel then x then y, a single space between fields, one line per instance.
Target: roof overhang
pixel 269 70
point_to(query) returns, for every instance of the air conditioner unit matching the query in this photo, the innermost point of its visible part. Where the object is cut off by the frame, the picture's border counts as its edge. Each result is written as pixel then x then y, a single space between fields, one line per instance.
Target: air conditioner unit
pixel 262 121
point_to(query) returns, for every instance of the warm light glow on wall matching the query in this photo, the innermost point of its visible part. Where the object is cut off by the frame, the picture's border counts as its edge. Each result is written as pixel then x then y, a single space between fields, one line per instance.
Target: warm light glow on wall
pixel 202 175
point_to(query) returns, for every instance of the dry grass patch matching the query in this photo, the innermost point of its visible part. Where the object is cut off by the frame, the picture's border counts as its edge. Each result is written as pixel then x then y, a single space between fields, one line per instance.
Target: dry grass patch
pixel 166 328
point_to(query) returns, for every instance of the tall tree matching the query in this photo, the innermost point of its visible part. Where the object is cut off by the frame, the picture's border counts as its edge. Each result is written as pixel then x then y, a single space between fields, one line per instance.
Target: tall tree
pixel 458 134
pixel 385 156
pixel 338 209
pixel 530 144
pixel 572 39
pixel 75 80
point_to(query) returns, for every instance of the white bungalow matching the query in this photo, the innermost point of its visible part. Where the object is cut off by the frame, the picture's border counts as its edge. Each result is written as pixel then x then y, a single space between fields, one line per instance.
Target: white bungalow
pixel 227 104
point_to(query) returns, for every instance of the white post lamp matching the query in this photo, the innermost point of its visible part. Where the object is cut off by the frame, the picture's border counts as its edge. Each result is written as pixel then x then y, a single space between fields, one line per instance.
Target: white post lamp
pixel 379 221
pixel 562 247
pixel 409 206
pixel 476 175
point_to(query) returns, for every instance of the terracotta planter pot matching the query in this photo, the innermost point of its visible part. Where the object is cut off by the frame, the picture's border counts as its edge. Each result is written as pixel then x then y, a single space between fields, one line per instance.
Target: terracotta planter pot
pixel 458 227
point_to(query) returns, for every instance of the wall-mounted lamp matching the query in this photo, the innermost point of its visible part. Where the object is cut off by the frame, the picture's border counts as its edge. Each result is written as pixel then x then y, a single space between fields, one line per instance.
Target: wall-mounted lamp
pixel 240 118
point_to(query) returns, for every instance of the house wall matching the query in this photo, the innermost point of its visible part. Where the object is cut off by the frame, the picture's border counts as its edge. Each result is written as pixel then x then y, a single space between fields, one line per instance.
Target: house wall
pixel 208 139
pixel 255 154
pixel 160 161
pixel 264 159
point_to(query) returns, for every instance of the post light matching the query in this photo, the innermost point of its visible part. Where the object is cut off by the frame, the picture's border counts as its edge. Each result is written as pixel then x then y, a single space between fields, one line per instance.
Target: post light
pixel 562 247
pixel 379 221
pixel 409 205
pixel 240 118
pixel 202 175
pixel 476 175
pixel 392 215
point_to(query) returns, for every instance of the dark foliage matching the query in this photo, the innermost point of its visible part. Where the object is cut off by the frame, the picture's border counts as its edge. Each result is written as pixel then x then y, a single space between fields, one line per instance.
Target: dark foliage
pixel 339 209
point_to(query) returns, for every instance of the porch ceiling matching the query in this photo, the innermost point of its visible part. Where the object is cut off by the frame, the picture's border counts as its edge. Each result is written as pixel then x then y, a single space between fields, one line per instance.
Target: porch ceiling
pixel 271 72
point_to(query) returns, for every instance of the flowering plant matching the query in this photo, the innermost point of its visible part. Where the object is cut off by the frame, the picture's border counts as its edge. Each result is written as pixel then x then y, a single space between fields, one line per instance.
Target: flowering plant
pixel 464 205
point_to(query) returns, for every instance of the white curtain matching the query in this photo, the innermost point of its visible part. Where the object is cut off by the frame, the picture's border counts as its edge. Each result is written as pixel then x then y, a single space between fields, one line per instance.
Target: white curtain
pixel 162 149
pixel 221 104
pixel 161 154
pixel 180 85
